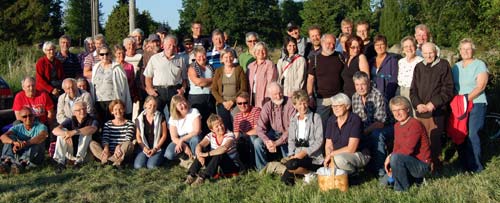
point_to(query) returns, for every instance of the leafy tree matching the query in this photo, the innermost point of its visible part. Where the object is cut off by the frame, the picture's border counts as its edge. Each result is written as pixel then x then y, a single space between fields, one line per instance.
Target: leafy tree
pixel 325 14
pixel 290 12
pixel 76 20
pixel 392 21
pixel 188 15
pixel 117 26
pixel 147 24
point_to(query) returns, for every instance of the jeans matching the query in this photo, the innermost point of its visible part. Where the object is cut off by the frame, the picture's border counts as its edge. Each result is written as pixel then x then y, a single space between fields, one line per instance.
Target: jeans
pixel 470 151
pixel 34 154
pixel 170 153
pixel 324 109
pixel 141 160
pixel 405 169
pixel 212 163
pixel 261 157
pixel 378 148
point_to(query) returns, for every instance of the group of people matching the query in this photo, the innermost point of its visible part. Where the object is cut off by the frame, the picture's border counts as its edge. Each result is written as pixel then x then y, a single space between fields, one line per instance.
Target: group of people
pixel 328 100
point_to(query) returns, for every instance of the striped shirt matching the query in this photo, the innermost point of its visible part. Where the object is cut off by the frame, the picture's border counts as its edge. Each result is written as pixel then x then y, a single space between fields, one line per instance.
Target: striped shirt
pixel 244 123
pixel 214 143
pixel 115 134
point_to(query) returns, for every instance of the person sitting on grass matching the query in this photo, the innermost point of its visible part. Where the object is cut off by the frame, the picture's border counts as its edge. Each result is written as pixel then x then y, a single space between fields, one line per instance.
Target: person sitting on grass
pixel 23 144
pixel 117 137
pixel 74 132
pixel 305 139
pixel 411 157
pixel 245 128
pixel 222 153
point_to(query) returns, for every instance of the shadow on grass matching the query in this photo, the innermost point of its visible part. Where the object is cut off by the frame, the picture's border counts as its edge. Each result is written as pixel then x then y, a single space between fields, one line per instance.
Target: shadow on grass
pixel 40 180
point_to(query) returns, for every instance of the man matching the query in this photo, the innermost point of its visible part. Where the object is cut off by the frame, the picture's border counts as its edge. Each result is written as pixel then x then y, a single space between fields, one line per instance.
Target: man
pixel 346 27
pixel 213 56
pixel 23 143
pixel 323 79
pixel 70 61
pixel 188 53
pixel 370 105
pixel 363 31
pixel 272 126
pixel 430 92
pixel 198 39
pixel 165 74
pixel 293 31
pixel 72 94
pixel 314 46
pixel 154 47
pixel 138 36
pixel 245 58
pixel 75 131
pixel 39 102
pixel 245 127
pixel 162 33
pixel 423 35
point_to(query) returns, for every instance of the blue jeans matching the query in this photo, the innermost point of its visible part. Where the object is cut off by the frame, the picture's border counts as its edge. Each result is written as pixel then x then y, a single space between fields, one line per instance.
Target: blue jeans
pixel 377 143
pixel 406 169
pixel 141 160
pixel 34 154
pixel 170 151
pixel 470 150
pixel 261 150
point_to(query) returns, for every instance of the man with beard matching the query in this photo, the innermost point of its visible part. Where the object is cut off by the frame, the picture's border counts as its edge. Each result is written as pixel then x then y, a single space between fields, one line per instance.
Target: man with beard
pixel 314 46
pixel 272 126
pixel 324 80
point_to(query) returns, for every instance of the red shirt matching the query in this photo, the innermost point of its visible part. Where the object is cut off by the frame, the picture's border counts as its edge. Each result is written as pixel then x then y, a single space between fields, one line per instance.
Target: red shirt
pixel 243 123
pixel 40 104
pixel 411 139
pixel 43 69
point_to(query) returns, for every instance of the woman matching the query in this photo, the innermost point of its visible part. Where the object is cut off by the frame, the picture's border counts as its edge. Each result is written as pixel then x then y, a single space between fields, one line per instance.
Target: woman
pixel 151 133
pixel 411 156
pixel 49 72
pixel 470 77
pixel 82 84
pixel 407 65
pixel 200 79
pixel 93 58
pixel 119 53
pixel 260 73
pixel 356 61
pixel 184 126
pixel 221 153
pixel 291 68
pixel 384 68
pixel 343 135
pixel 228 82
pixel 117 137
pixel 109 82
pixel 131 56
pixel 89 49
pixel 305 138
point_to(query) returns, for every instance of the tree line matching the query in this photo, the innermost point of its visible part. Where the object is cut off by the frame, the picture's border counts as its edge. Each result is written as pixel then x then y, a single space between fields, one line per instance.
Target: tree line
pixel 449 20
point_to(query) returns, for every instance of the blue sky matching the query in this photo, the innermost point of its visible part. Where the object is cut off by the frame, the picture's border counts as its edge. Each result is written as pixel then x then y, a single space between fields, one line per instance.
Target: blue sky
pixel 161 10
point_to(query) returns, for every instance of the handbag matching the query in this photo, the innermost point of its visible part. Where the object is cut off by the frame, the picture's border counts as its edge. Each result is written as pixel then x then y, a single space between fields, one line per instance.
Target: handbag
pixel 333 181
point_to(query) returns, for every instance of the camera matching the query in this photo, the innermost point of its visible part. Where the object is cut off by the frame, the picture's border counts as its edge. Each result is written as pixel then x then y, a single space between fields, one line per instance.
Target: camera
pixel 301 143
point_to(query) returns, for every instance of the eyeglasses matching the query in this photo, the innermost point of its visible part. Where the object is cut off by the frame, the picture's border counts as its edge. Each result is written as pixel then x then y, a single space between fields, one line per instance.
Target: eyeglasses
pixel 82 109
pixel 252 41
pixel 27 115
pixel 242 103
pixel 103 54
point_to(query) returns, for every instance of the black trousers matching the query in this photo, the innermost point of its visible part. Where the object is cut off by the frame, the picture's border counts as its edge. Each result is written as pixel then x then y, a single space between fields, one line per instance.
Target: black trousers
pixel 212 163
pixel 205 103
pixel 165 95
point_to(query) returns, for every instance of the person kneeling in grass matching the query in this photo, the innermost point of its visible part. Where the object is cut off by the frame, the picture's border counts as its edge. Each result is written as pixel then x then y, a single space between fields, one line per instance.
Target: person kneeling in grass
pixel 222 153
pixel 411 157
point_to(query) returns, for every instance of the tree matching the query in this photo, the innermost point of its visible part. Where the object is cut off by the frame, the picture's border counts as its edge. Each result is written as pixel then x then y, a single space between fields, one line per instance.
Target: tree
pixel 325 14
pixel 290 12
pixel 188 15
pixel 76 20
pixel 147 24
pixel 392 21
pixel 117 26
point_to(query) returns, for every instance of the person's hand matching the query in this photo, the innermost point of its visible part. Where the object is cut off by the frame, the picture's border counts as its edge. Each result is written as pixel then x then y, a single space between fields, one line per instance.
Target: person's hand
pixel 181 91
pixel 201 159
pixel 328 158
pixel 55 92
pixel 179 147
pixel 104 155
pixel 188 152
pixel 16 146
pixel 430 107
pixel 271 147
pixel 151 92
pixel 228 105
pixel 387 164
pixel 118 152
pixel 147 151
pixel 421 108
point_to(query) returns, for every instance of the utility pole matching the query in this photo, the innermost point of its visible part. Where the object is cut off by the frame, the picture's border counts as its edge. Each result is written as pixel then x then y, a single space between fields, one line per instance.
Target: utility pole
pixel 131 15
pixel 94 9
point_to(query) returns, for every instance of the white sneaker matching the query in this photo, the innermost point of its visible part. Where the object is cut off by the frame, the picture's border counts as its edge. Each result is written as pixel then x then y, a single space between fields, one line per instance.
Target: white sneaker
pixel 309 177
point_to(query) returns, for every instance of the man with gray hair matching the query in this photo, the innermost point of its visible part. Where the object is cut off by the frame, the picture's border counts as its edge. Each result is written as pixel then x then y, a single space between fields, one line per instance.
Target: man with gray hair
pixel 39 102
pixel 74 132
pixel 324 80
pixel 218 44
pixel 422 35
pixel 245 58
pixel 72 94
pixel 166 73
pixel 138 36
pixel 70 61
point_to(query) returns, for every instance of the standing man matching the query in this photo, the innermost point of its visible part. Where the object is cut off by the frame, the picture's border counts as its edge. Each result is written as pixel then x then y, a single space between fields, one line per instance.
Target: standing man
pixel 363 31
pixel 324 80
pixel 218 43
pixel 293 31
pixel 245 58
pixel 346 28
pixel 423 35
pixel 198 39
pixel 70 61
pixel 314 46
pixel 165 74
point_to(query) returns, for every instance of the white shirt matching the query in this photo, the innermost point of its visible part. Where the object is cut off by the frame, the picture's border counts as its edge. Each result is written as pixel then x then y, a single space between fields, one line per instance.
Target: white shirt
pixel 185 125
pixel 405 72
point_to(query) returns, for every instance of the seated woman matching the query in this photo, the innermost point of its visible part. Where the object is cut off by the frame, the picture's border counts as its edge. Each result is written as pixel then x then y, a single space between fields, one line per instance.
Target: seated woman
pixel 343 135
pixel 222 153
pixel 305 138
pixel 151 133
pixel 411 157
pixel 117 136
pixel 184 125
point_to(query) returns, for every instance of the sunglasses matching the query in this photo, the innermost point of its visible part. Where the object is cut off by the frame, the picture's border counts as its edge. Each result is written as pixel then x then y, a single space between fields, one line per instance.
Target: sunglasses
pixel 103 54
pixel 28 115
pixel 242 103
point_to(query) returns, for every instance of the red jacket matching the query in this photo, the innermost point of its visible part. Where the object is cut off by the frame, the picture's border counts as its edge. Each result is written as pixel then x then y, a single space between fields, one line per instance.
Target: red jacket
pixel 459 117
pixel 43 69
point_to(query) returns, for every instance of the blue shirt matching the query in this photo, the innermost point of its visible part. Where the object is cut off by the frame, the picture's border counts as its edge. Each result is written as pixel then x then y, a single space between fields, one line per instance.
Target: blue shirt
pixel 21 133
pixel 340 136
pixel 465 78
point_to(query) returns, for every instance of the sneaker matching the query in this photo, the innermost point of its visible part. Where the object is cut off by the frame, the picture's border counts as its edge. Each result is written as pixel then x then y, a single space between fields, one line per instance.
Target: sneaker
pixel 189 180
pixel 309 177
pixel 3 169
pixel 15 169
pixel 77 165
pixel 60 168
pixel 199 181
